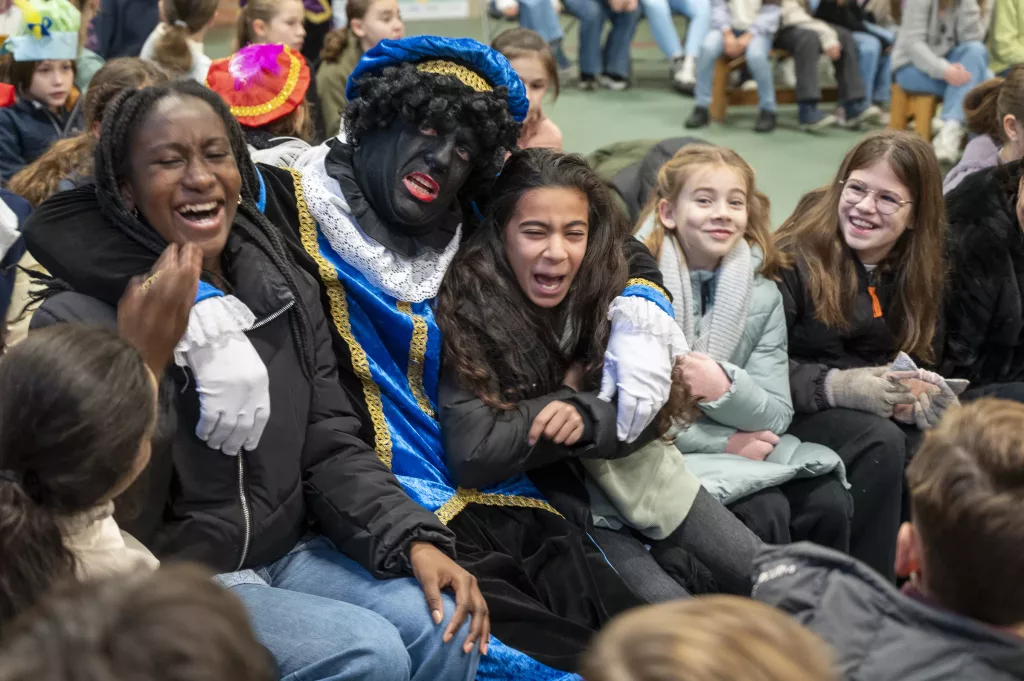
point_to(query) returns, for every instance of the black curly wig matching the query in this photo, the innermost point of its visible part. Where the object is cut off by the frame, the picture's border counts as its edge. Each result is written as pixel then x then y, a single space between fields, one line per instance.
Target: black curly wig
pixel 441 102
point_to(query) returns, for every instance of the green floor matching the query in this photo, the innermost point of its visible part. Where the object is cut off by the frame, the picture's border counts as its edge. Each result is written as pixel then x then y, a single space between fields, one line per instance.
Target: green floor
pixel 788 162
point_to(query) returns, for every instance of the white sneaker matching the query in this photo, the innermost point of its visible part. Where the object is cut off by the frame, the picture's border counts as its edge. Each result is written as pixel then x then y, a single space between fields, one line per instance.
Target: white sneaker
pixel 685 77
pixel 947 143
pixel 787 74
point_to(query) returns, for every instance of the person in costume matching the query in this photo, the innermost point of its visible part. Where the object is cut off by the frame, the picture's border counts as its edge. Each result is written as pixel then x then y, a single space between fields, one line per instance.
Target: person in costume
pixel 269 519
pixel 265 86
pixel 43 73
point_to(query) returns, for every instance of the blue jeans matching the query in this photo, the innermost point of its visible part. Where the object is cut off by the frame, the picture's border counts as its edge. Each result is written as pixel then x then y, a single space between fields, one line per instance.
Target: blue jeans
pixel 324 617
pixel 875 66
pixel 757 61
pixel 659 17
pixel 540 16
pixel 972 55
pixel 614 59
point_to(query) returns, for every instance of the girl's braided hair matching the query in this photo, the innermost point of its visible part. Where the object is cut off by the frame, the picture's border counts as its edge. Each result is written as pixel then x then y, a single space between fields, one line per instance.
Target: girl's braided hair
pixel 124 116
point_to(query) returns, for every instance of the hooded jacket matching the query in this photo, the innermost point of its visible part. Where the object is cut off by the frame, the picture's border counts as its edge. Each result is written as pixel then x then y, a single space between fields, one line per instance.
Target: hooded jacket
pixel 984 306
pixel 311 469
pixel 27 130
pixel 878 633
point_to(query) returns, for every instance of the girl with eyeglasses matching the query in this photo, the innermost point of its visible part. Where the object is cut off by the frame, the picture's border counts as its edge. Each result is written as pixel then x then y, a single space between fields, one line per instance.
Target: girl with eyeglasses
pixel 861 282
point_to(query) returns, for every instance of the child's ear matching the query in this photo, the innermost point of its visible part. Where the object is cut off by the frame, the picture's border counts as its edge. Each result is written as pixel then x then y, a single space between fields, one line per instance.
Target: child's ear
pixel 1011 126
pixel 356 26
pixel 259 27
pixel 908 551
pixel 667 214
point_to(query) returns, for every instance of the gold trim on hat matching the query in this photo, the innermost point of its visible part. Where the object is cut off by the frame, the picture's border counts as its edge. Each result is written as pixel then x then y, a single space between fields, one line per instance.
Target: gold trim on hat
pixel 468 77
pixel 280 98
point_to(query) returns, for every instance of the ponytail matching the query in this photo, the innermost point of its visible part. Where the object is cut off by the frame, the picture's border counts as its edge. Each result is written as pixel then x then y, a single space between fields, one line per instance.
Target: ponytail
pixel 183 19
pixel 335 44
pixel 35 557
pixel 989 103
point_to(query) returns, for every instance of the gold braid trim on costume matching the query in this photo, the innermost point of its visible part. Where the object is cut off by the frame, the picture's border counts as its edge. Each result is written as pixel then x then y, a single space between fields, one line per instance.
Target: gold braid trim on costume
pixel 339 314
pixel 646 282
pixel 417 356
pixel 280 98
pixel 469 78
pixel 464 497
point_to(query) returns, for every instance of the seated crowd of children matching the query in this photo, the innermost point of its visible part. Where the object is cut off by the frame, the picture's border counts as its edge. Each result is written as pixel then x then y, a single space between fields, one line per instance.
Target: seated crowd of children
pixel 698 449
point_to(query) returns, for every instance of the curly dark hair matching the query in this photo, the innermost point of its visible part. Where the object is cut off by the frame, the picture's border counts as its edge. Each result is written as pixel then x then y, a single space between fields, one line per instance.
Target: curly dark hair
pixel 442 102
pixel 123 118
pixel 499 342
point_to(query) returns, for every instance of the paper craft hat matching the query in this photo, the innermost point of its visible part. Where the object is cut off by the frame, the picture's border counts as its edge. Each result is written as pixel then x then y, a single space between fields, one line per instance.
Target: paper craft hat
pixel 260 83
pixel 49 30
pixel 476 65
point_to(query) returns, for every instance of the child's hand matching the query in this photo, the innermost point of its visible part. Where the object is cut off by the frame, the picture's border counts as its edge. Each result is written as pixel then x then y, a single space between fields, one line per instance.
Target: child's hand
pixel 834 52
pixel 754 446
pixel 153 313
pixel 956 75
pixel 558 422
pixel 706 378
pixel 730 46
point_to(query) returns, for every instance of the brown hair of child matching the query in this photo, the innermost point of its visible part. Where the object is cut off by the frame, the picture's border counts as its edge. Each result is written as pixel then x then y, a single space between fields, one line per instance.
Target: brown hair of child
pixel 988 104
pixel 40 179
pixel 966 486
pixel 717 638
pixel 678 170
pixel 175 624
pixel 522 42
pixel 812 234
pixel 19 73
pixel 337 41
pixel 183 18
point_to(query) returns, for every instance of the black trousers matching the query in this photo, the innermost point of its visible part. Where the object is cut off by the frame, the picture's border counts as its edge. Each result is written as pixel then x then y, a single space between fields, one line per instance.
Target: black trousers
pixel 805 47
pixel 817 509
pixel 875 451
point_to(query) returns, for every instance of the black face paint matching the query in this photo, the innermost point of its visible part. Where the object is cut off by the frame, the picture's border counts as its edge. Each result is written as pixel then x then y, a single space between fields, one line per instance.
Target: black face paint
pixel 412 176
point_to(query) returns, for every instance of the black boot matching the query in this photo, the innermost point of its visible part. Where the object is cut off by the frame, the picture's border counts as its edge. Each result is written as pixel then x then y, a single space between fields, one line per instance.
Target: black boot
pixel 765 121
pixel 699 118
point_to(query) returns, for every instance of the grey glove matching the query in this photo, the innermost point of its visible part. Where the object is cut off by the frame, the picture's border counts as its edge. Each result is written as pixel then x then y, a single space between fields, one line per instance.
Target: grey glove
pixel 866 389
pixel 930 405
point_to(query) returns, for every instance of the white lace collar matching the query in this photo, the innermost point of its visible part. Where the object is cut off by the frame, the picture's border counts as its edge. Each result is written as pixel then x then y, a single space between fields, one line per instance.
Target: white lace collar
pixel 411 280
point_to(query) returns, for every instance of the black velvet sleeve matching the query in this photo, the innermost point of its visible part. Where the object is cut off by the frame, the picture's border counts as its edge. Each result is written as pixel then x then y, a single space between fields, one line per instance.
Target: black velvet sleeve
pixel 642 264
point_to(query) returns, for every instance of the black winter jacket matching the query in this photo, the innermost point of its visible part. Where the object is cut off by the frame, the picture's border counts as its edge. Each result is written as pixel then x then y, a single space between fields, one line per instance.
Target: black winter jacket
pixel 876 632
pixel 984 307
pixel 27 130
pixel 815 348
pixel 310 470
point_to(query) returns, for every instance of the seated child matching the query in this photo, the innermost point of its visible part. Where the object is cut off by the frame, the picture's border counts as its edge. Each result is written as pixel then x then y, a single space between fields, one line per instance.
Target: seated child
pixel 533 60
pixel 717 638
pixel 961 614
pixel 1006 36
pixel 175 624
pixel 257 83
pixel 176 43
pixel 78 414
pixel 739 27
pixel 43 74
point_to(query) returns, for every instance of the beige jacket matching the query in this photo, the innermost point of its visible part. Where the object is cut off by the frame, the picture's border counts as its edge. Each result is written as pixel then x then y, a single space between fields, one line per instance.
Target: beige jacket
pixel 794 13
pixel 101 548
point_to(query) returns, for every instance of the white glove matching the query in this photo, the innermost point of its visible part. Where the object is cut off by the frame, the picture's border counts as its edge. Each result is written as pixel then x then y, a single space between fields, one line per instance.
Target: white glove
pixel 642 346
pixel 231 379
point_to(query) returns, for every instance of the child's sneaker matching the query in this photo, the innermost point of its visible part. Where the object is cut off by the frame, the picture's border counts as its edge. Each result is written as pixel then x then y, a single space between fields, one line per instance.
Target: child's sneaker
pixel 947 142
pixel 813 120
pixel 765 121
pixel 698 118
pixel 613 82
pixel 684 74
pixel 861 115
pixel 587 82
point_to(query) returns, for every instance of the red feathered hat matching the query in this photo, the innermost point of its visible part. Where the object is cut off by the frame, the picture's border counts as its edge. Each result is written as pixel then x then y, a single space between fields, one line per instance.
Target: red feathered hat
pixel 260 83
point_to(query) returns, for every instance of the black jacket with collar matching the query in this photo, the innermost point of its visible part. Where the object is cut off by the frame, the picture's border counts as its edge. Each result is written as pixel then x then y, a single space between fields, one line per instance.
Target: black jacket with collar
pixel 984 307
pixel 27 130
pixel 814 348
pixel 876 632
pixel 310 471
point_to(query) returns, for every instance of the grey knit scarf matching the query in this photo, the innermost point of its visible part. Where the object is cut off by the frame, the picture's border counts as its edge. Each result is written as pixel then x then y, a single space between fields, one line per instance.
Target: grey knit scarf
pixel 721 333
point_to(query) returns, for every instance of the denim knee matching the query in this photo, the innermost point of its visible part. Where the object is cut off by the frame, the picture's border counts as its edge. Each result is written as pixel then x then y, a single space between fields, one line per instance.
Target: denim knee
pixel 973 52
pixel 870 46
pixel 379 649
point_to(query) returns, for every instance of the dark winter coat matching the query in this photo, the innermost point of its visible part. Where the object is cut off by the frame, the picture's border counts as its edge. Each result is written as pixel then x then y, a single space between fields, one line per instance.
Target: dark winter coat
pixel 27 130
pixel 984 306
pixel 870 340
pixel 876 632
pixel 311 469
pixel 122 27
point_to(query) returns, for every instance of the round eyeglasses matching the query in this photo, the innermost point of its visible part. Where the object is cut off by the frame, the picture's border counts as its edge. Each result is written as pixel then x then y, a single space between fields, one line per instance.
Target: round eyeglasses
pixel 886 202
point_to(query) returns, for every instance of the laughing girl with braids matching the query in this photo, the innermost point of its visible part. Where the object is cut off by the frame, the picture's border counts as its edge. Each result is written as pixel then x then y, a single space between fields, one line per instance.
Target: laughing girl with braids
pixel 172 167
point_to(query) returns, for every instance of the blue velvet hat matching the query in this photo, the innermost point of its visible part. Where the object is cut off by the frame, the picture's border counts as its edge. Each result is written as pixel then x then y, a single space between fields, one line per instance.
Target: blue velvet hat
pixel 476 65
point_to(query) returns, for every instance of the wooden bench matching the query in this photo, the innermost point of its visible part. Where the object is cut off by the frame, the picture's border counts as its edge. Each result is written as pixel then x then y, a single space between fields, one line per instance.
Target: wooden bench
pixel 908 105
pixel 723 96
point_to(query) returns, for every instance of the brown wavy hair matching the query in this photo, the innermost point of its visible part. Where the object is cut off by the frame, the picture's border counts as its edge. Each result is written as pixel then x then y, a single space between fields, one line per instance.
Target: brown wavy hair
pixel 39 180
pixel 503 347
pixel 989 103
pixel 337 41
pixel 677 171
pixel 522 42
pixel 171 50
pixel 812 235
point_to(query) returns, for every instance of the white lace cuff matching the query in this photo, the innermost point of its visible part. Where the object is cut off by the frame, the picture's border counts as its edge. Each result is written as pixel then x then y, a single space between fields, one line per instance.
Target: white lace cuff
pixel 211 322
pixel 643 316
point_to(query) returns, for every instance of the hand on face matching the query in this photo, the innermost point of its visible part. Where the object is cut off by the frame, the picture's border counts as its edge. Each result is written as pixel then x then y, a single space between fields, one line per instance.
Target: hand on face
pixel 183 178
